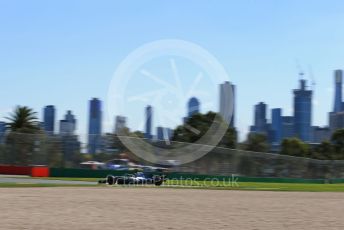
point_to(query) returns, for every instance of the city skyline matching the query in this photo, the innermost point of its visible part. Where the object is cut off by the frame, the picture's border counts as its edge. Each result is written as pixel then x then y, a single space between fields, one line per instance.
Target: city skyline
pixel 75 60
pixel 300 125
pixel 68 125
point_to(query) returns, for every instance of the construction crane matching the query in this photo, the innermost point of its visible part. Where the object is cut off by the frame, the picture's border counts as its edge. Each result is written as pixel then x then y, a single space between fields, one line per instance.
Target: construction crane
pixel 299 68
pixel 302 74
pixel 312 78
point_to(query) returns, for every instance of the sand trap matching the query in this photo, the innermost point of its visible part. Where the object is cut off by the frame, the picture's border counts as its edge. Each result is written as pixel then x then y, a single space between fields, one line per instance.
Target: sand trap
pixel 149 208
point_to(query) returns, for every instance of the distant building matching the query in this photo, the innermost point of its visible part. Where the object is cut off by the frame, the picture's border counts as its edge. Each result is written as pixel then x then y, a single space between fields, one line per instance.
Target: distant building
pixel 164 134
pixel 68 125
pixel 336 121
pixel 2 132
pixel 49 119
pixel 276 125
pixel 148 122
pixel 303 112
pixel 227 103
pixel 288 127
pixel 94 126
pixel 260 120
pixel 120 124
pixel 338 98
pixel 112 143
pixel 193 106
pixel 41 125
pixel 320 134
pixel 70 144
pixel 281 127
pixel 336 117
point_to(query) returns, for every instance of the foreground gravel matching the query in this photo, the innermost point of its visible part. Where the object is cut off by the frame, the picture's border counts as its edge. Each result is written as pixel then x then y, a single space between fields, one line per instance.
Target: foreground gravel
pixel 151 208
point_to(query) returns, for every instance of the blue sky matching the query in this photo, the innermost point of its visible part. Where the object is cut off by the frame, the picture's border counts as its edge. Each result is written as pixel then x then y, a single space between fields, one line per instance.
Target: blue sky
pixel 65 52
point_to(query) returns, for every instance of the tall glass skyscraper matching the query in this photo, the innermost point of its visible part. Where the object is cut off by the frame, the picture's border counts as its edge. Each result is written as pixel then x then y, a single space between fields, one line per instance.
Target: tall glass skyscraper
pixel 193 106
pixel 95 126
pixel 336 117
pixel 49 119
pixel 338 105
pixel 260 121
pixel 227 103
pixel 277 125
pixel 303 112
pixel 148 122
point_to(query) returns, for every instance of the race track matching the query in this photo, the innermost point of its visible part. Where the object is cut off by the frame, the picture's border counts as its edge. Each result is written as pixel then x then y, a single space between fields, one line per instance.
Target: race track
pixel 165 208
pixel 29 180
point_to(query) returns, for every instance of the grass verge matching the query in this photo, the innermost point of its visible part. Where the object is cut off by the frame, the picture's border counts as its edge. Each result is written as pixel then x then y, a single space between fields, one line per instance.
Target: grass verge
pixel 220 185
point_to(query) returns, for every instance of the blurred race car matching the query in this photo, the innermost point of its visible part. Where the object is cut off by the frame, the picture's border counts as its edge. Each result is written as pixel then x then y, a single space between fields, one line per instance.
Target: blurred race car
pixel 135 179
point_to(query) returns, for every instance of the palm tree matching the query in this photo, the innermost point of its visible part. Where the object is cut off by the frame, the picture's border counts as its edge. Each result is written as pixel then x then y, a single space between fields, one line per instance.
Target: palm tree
pixel 23 120
pixel 21 138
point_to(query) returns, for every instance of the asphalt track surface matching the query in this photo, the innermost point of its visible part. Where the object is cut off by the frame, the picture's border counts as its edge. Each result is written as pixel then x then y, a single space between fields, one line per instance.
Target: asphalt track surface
pixel 29 180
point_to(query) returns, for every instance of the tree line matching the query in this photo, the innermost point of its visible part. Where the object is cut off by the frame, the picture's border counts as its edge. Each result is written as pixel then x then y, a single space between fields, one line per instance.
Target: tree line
pixel 332 149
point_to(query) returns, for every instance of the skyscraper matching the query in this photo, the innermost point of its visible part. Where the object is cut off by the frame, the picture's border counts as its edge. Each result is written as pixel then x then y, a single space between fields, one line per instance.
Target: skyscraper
pixel 336 117
pixel 193 106
pixel 164 134
pixel 68 125
pixel 288 127
pixel 320 134
pixel 336 121
pixel 227 103
pixel 338 75
pixel 120 124
pixel 260 121
pixel 49 119
pixel 303 112
pixel 276 125
pixel 94 128
pixel 69 141
pixel 2 131
pixel 148 122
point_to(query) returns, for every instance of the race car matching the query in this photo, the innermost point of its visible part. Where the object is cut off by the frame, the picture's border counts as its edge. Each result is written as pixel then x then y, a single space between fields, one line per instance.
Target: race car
pixel 134 179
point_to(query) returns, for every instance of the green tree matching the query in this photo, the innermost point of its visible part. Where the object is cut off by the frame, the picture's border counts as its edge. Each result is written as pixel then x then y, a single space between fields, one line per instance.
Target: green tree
pixel 2 153
pixel 198 125
pixel 51 146
pixel 137 134
pixel 23 120
pixel 294 147
pixel 22 141
pixel 338 143
pixel 324 151
pixel 257 142
pixel 230 139
pixel 194 128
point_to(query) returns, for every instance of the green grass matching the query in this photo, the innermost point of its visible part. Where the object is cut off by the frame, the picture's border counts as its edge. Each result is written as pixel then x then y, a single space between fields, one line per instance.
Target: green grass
pixel 221 185
pixel 253 186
